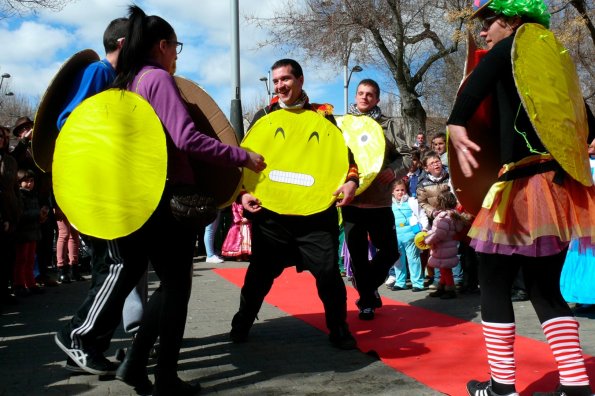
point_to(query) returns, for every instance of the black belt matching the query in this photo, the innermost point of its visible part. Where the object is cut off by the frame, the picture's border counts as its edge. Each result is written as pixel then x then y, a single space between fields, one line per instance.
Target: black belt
pixel 534 169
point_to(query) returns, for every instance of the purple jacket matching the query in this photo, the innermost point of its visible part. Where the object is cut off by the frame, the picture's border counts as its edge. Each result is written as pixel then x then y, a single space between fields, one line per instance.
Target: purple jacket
pixel 185 142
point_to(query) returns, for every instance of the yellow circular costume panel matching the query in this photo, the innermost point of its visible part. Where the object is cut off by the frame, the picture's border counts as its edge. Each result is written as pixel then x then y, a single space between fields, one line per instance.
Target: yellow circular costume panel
pixel 110 164
pixel 306 160
pixel 549 88
pixel 365 137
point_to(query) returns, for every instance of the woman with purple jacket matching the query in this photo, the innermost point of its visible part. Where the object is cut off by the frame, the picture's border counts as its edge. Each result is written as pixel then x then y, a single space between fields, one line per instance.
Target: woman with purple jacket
pixel 145 66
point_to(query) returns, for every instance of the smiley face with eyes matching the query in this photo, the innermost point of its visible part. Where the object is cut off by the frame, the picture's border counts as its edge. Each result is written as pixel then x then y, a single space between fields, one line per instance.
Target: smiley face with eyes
pixel 306 161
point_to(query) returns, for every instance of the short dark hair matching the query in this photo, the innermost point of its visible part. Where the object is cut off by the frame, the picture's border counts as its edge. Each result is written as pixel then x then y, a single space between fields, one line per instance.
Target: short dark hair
pixel 439 135
pixel 428 155
pixel 415 154
pixel 372 83
pixel 114 31
pixel 296 69
pixel 24 174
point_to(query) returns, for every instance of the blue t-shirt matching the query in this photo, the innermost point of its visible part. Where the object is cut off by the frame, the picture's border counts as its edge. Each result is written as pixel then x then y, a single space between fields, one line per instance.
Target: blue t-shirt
pixel 93 79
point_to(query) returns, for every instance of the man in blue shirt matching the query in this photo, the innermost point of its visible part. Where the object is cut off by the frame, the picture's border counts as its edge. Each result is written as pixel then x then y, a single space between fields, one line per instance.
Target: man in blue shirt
pixel 95 78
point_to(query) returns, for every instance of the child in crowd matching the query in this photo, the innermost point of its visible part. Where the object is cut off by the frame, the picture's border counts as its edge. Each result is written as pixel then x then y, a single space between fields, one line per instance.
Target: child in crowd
pixel 67 247
pixel 439 146
pixel 409 220
pixel 415 172
pixel 443 238
pixel 433 182
pixel 420 142
pixel 238 240
pixel 28 232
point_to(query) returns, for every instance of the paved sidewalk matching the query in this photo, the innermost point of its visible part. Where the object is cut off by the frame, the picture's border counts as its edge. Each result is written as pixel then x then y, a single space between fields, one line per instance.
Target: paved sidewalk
pixel 284 357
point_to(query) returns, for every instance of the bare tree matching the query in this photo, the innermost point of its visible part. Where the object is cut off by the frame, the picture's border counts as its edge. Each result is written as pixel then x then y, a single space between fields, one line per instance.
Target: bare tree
pixel 572 21
pixel 9 8
pixel 407 37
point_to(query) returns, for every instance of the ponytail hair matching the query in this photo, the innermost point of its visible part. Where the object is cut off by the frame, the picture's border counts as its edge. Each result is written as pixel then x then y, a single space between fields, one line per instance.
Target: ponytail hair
pixel 143 32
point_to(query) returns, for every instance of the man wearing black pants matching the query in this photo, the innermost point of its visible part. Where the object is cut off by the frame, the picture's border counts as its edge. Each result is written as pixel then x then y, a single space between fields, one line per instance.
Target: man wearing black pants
pixel 370 213
pixel 310 242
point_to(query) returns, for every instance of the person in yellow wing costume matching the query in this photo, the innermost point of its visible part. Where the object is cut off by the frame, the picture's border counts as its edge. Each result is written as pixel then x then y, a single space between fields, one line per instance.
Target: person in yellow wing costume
pixel 370 214
pixel 291 204
pixel 543 196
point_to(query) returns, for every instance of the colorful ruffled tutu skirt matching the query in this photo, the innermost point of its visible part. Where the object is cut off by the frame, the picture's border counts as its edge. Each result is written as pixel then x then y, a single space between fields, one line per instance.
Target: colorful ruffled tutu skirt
pixel 534 216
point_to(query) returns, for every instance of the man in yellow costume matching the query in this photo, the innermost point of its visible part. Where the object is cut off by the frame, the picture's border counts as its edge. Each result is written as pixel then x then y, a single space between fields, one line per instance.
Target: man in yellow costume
pixel 543 196
pixel 300 230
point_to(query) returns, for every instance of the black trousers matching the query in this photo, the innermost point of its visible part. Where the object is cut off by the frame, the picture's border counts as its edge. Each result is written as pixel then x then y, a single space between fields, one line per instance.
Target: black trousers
pixel 308 242
pixel 379 224
pixel 101 262
pixel 169 246
pixel 542 281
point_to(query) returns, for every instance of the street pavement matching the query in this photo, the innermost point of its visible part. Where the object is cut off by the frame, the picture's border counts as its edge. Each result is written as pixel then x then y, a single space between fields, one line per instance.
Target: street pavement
pixel 285 356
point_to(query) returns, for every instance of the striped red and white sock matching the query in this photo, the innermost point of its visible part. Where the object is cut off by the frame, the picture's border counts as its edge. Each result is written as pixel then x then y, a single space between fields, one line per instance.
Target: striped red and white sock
pixel 562 336
pixel 499 339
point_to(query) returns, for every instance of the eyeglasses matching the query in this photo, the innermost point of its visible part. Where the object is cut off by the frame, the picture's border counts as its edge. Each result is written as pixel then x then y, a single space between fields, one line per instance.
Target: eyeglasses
pixel 179 45
pixel 487 22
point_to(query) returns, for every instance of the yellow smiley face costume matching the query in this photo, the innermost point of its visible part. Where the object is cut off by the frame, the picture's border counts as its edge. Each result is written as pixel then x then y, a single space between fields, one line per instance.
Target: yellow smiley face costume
pixel 306 160
pixel 365 138
pixel 110 164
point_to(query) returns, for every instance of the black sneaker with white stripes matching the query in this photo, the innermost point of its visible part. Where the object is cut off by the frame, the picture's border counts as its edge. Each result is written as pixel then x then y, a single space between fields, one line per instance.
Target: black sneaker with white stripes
pixel 88 361
pixel 477 388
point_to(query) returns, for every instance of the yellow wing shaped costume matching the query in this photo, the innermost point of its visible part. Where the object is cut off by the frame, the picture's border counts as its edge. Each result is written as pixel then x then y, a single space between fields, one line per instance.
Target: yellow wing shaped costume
pixel 365 138
pixel 549 88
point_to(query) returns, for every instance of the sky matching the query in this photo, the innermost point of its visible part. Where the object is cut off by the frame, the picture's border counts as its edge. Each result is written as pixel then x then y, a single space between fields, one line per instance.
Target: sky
pixel 34 47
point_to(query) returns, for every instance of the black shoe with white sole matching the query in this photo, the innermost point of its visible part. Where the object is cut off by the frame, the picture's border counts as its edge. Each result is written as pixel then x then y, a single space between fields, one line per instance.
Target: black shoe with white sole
pixel 89 361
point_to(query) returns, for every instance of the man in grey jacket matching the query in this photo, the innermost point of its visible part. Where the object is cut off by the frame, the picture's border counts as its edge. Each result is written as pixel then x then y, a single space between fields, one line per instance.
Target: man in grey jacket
pixel 370 213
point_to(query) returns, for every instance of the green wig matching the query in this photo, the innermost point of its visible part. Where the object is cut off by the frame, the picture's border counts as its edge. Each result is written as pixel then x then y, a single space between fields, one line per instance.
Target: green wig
pixel 533 10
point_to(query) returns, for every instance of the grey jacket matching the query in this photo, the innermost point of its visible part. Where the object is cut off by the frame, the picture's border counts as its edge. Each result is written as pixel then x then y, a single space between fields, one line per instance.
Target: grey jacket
pixel 397 157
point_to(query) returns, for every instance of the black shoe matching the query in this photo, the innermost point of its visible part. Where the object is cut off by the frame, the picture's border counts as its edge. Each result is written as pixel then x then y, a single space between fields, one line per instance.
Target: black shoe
pixel 134 375
pixel 448 294
pixel 71 366
pixel 90 361
pixel 437 293
pixel 418 289
pixel 519 295
pixel 398 288
pixel 341 338
pixel 76 274
pixel 22 291
pixel 240 327
pixel 366 313
pixel 561 391
pixel 37 290
pixel 176 387
pixel 477 388
pixel 64 274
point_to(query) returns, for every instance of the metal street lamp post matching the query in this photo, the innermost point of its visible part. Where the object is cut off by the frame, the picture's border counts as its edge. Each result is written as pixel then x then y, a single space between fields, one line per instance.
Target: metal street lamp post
pixel 267 82
pixel 347 79
pixel 235 113
pixel 4 76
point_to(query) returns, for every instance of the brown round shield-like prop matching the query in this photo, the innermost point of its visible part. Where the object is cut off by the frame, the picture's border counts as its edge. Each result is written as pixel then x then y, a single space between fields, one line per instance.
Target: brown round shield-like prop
pixel 45 130
pixel 470 191
pixel 223 182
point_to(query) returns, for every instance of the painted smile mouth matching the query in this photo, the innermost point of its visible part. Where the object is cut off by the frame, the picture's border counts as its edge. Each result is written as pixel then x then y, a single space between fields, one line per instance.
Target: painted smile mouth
pixel 299 179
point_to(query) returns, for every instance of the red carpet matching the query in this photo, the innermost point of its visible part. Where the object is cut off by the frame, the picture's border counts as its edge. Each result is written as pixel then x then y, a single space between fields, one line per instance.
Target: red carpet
pixel 437 350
